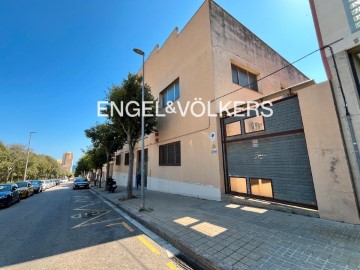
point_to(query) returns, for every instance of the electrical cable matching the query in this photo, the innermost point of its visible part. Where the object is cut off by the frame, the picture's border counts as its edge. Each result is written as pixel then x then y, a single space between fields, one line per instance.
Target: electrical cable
pixel 276 71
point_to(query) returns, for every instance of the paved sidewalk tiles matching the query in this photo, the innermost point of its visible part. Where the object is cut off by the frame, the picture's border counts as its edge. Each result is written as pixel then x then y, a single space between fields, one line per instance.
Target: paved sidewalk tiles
pixel 229 236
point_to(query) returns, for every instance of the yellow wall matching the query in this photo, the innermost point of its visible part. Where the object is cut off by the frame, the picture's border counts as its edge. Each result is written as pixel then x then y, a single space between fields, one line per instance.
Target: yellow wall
pixel 188 56
pixel 233 43
pixel 204 71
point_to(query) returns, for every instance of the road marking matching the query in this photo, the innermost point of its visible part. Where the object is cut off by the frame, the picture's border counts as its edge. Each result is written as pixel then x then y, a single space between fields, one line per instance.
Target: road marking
pixel 82 207
pixel 91 219
pixel 114 224
pixel 99 222
pixel 127 226
pixel 170 250
pixel 148 245
pixel 121 223
pixel 80 198
pixel 172 266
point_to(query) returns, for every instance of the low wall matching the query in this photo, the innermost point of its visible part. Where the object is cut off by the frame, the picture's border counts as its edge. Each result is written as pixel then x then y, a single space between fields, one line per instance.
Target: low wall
pixel 330 170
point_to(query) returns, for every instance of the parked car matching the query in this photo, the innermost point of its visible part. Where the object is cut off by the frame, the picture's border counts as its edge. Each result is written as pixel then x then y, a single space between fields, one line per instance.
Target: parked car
pixel 43 185
pixel 80 183
pixel 48 184
pixel 25 189
pixel 9 194
pixel 36 185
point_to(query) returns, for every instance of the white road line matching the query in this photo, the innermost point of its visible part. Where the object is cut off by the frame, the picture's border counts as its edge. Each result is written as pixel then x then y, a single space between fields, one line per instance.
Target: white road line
pixel 171 251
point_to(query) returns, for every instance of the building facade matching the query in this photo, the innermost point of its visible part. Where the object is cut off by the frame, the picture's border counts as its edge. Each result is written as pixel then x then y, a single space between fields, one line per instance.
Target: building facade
pixel 67 161
pixel 340 37
pixel 291 157
pixel 210 58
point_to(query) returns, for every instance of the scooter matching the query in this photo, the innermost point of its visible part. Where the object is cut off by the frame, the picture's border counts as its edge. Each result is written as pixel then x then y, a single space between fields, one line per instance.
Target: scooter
pixel 112 186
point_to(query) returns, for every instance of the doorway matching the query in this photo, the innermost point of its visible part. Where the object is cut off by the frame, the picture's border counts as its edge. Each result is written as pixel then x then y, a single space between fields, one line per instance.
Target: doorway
pixel 138 167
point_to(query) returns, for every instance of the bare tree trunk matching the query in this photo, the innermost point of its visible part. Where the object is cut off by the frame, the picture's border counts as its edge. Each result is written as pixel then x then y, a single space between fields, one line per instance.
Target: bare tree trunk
pixel 100 177
pixel 107 168
pixel 131 166
pixel 8 176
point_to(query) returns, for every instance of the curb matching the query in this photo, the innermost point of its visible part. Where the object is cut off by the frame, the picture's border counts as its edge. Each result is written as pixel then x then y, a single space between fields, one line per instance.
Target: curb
pixel 190 256
pixel 275 206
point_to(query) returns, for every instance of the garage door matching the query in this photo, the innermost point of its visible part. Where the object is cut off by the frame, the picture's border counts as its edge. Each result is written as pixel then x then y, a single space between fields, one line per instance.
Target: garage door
pixel 267 156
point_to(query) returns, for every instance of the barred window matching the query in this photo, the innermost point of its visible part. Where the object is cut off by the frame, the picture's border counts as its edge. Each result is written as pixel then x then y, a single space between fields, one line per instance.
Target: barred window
pixel 126 159
pixel 118 159
pixel 170 154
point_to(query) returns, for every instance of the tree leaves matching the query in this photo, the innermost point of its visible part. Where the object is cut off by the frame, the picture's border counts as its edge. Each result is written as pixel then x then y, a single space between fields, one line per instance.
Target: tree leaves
pixel 13 159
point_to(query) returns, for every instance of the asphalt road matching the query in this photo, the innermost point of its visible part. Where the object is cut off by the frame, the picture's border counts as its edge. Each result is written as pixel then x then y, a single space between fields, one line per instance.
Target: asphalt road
pixel 63 228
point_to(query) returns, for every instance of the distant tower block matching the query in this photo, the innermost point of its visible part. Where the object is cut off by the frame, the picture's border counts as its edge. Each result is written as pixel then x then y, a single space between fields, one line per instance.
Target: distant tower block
pixel 67 161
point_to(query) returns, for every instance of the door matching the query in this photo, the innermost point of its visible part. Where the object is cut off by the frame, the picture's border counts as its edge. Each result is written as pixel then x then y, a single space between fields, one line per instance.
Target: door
pixel 138 168
pixel 267 156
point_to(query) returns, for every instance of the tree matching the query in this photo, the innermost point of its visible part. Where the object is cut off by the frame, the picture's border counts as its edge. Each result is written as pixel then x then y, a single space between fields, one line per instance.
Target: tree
pixel 33 166
pixel 99 157
pixel 84 165
pixel 13 159
pixel 106 136
pixel 12 164
pixel 5 163
pixel 17 158
pixel 130 91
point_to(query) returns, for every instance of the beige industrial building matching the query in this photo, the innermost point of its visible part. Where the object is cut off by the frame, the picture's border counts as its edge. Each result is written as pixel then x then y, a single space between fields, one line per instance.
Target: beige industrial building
pixel 291 157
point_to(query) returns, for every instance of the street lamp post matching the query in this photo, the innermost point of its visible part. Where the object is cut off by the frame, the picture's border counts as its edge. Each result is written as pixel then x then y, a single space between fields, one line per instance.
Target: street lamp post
pixel 142 206
pixel 27 156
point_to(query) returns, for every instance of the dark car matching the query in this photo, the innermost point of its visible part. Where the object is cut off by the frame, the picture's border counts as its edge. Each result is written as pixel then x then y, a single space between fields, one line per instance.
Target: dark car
pixel 9 194
pixel 80 183
pixel 37 185
pixel 25 189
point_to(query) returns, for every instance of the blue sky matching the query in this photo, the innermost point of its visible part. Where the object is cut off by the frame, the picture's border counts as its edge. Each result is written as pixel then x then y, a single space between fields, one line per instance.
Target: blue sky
pixel 58 58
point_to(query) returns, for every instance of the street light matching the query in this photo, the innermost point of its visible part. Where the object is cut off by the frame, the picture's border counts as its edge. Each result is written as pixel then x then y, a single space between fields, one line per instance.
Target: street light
pixel 27 156
pixel 142 206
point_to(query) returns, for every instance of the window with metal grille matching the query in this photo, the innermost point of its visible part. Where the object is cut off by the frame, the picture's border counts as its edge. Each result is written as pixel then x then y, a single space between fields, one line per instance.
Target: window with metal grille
pixel 118 159
pixel 352 9
pixel 244 78
pixel 126 159
pixel 171 93
pixel 145 155
pixel 170 154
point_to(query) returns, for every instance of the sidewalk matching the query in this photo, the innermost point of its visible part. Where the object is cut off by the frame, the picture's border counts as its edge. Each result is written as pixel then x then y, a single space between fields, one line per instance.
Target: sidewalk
pixel 220 235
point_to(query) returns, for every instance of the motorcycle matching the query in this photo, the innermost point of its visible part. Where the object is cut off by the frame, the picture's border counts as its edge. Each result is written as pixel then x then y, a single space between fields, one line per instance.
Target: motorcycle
pixel 111 186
